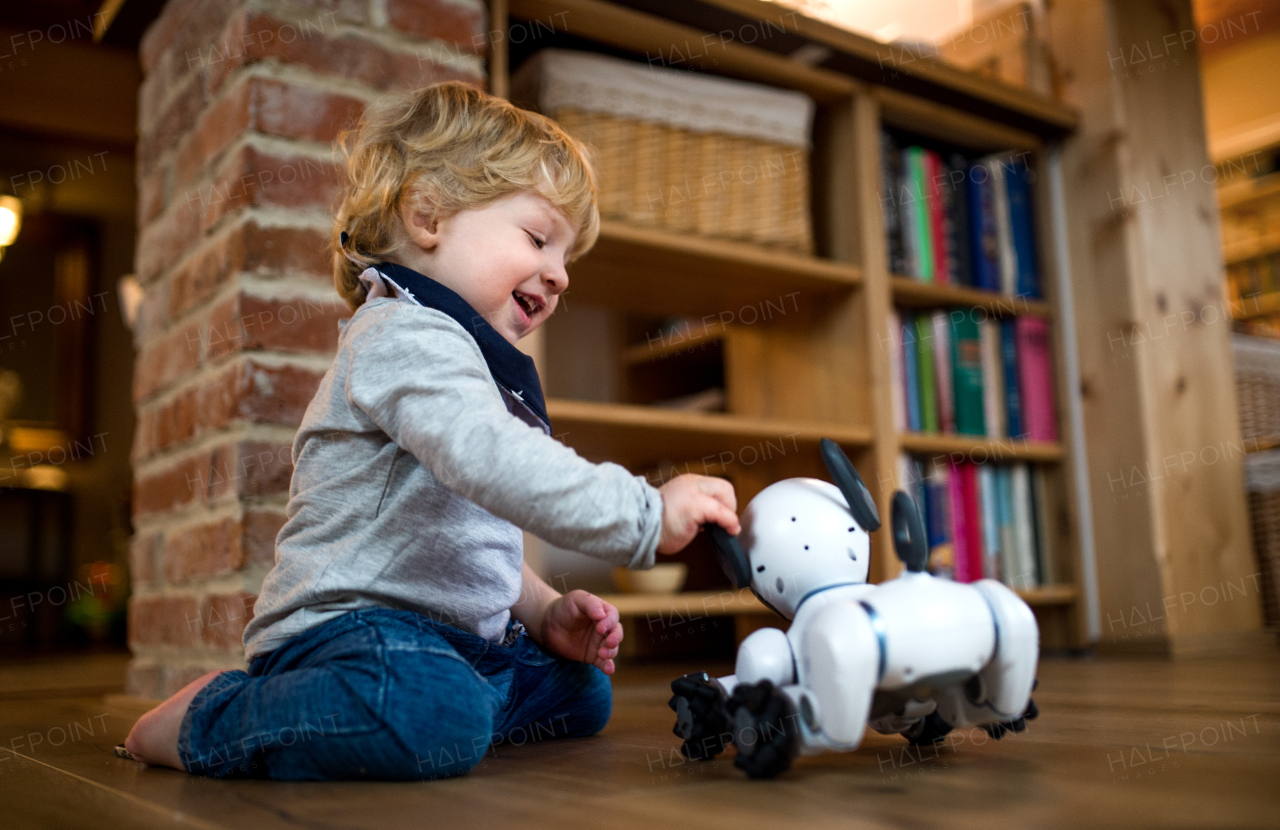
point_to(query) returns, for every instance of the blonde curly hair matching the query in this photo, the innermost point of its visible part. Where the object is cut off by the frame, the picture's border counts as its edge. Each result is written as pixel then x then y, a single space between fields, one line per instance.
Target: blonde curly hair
pixel 450 147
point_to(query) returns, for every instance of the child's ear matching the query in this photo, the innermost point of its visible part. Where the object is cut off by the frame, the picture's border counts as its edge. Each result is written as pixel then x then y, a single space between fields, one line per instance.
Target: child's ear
pixel 423 227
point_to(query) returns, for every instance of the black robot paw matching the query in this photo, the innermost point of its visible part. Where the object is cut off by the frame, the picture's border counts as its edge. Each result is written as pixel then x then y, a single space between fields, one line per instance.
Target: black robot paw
pixel 931 729
pixel 701 718
pixel 997 730
pixel 764 729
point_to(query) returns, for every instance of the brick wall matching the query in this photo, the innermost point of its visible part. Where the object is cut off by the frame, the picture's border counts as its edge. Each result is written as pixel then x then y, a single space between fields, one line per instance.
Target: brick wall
pixel 236 171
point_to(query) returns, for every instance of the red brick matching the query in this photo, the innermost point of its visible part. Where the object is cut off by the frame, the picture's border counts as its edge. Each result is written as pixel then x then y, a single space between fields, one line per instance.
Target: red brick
pixel 179 115
pixel 164 620
pixel 254 36
pixel 184 26
pixel 301 325
pixel 143 550
pixel 152 196
pixel 251 469
pixel 225 617
pixel 251 177
pixel 163 242
pixel 176 486
pixel 206 550
pixel 461 24
pixel 167 360
pixel 219 126
pixel 261 527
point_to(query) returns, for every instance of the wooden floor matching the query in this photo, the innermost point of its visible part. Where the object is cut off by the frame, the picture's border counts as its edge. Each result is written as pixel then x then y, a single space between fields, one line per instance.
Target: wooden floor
pixel 1120 743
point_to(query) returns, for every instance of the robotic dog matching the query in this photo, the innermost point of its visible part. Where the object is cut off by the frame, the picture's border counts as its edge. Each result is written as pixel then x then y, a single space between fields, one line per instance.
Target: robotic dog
pixel 916 655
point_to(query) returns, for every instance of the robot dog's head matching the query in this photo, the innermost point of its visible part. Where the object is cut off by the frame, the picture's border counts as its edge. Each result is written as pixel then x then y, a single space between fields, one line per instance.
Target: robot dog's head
pixel 801 535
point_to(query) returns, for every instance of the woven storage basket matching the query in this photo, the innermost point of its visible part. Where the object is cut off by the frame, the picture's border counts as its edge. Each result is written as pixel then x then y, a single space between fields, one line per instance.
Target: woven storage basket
pixel 1257 367
pixel 682 152
pixel 1262 470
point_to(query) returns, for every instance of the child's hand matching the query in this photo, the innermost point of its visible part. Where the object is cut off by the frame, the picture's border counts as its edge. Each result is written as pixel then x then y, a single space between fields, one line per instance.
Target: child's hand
pixel 583 627
pixel 689 501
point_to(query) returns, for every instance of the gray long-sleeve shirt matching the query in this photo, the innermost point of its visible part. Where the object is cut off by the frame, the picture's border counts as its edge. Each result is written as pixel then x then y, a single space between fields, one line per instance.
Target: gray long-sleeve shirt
pixel 412 479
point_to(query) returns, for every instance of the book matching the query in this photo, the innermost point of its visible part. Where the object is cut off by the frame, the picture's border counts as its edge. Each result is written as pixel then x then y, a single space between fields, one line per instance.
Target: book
pixel 925 368
pixel 897 380
pixel 984 246
pixel 937 495
pixel 917 175
pixel 891 179
pixel 966 375
pixel 1009 566
pixel 1009 359
pixel 942 371
pixel 909 219
pixel 992 380
pixel 972 519
pixel 911 372
pixel 1035 379
pixel 1024 532
pixel 990 523
pixel 961 556
pixel 956 200
pixel 1022 229
pixel 1004 233
pixel 1042 498
pixel 937 215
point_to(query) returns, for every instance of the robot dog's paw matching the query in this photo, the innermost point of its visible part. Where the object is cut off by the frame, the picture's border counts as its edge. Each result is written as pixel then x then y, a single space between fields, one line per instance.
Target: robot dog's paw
pixel 701 718
pixel 997 730
pixel 931 729
pixel 764 729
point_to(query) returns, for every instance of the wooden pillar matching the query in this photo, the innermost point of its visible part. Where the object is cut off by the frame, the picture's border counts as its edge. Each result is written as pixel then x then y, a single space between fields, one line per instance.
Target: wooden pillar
pixel 1176 574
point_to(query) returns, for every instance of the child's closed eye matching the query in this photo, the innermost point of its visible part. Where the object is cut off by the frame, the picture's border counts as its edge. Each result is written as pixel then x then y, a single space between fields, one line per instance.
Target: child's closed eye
pixel 540 244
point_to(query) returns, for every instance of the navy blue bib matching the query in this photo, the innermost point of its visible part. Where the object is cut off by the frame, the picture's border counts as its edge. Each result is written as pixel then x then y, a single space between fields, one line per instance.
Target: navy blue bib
pixel 509 366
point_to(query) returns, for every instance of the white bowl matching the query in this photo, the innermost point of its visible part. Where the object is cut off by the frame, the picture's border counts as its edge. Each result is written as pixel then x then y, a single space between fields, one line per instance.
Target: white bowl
pixel 666 578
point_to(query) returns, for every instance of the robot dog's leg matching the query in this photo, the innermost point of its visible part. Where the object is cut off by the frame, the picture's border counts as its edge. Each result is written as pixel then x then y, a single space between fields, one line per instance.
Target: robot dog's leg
pixel 701 717
pixel 840 666
pixel 1001 692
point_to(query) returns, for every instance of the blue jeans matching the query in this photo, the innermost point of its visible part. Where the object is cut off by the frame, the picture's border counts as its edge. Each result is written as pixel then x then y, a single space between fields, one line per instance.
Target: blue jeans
pixel 386 694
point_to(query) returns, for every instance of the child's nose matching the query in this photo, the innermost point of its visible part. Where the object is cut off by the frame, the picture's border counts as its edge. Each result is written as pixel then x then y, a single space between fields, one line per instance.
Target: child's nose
pixel 556 278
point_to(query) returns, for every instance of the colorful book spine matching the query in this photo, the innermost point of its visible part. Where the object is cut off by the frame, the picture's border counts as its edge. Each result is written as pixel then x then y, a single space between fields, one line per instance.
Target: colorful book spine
pixel 1024 532
pixel 1022 228
pixel 937 215
pixel 956 199
pixel 1005 525
pixel 909 210
pixel 990 522
pixel 897 379
pixel 891 185
pixel 923 232
pixel 938 518
pixel 1035 378
pixel 985 247
pixel 925 366
pixel 973 519
pixel 911 372
pixel 1046 552
pixel 966 375
pixel 962 558
pixel 1004 233
pixel 942 371
pixel 1012 398
pixel 992 380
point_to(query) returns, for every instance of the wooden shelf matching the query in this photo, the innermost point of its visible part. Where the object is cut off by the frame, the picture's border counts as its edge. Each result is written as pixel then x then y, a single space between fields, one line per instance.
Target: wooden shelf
pixel 1252 249
pixel 642 435
pixel 912 292
pixel 730 602
pixel 1260 305
pixel 669 345
pixel 977 448
pixel 663 273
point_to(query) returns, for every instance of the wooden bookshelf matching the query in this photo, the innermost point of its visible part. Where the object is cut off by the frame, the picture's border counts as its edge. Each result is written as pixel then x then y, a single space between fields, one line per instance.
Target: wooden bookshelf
pixel 822 368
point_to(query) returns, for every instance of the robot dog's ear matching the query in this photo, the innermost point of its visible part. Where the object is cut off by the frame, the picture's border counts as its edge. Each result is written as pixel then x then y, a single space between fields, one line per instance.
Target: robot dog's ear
pixel 861 505
pixel 908 533
pixel 733 560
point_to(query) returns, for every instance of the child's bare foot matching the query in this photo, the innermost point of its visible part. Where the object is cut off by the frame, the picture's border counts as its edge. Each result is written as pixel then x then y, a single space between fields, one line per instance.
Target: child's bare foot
pixel 154 738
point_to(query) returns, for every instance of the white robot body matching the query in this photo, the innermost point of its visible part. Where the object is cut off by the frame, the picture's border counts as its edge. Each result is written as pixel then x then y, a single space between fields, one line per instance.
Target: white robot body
pixel 893 655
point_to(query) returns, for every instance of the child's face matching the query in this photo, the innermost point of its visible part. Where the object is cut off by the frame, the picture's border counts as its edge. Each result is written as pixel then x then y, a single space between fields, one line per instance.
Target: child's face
pixel 513 247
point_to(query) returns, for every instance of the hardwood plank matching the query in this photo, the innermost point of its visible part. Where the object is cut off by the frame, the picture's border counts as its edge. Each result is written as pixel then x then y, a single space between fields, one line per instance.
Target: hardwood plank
pixel 981 450
pixel 641 435
pixel 664 273
pixel 912 292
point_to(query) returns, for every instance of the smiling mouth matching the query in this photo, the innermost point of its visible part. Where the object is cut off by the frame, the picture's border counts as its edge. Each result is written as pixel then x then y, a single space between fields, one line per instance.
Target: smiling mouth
pixel 529 304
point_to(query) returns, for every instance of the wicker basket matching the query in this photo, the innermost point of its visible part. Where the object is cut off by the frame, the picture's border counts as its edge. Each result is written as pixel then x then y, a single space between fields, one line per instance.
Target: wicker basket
pixel 1257 367
pixel 1263 476
pixel 690 154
